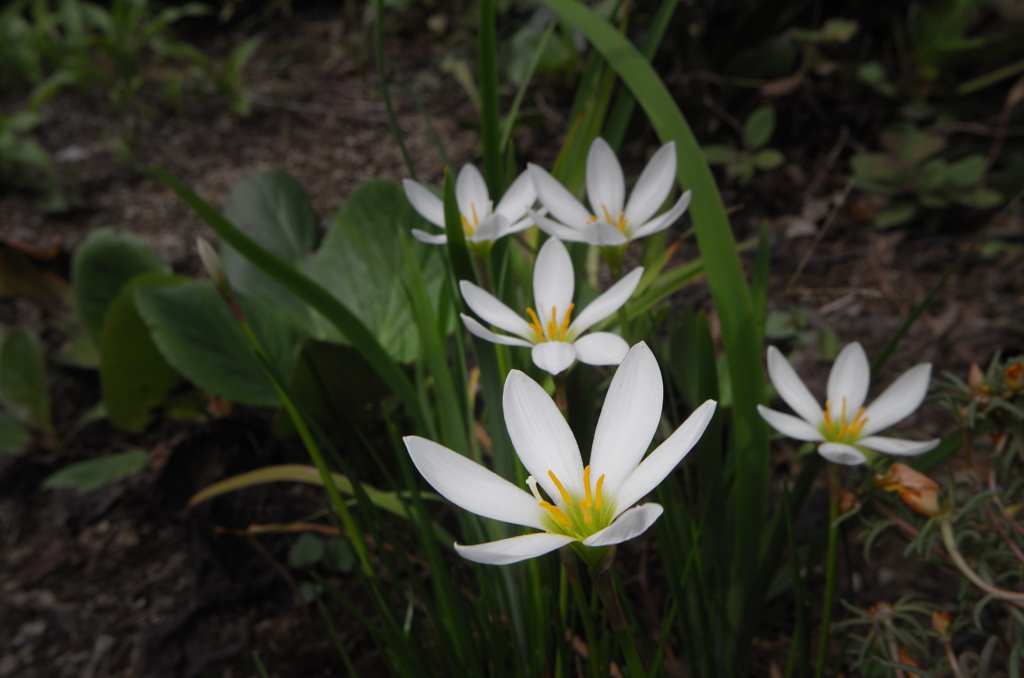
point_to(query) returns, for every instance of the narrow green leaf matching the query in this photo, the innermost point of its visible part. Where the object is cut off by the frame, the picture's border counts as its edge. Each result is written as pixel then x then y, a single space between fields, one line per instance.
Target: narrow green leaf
pixel 490 118
pixel 13 436
pixel 23 384
pixel 86 476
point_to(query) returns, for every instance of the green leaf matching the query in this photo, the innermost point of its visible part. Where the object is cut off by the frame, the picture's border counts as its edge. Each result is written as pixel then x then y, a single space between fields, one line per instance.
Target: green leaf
pixel 838 30
pixel 718 154
pixel 967 172
pixel 135 377
pixel 23 387
pixel 896 214
pixel 982 198
pixel 198 335
pixel 272 209
pixel 758 128
pixel 307 550
pixel 768 159
pixel 360 262
pixel 13 436
pixel 86 476
pixel 101 266
pixel 871 73
pixel 338 555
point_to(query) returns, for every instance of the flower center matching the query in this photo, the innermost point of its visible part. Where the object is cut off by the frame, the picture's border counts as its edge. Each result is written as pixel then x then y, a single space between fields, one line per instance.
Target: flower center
pixel 553 331
pixel 840 430
pixel 470 227
pixel 619 223
pixel 580 517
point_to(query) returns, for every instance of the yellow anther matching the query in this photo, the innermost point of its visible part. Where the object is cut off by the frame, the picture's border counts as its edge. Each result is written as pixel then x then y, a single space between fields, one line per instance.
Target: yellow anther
pixel 607 217
pixel 466 226
pixel 586 511
pixel 597 493
pixel 586 483
pixel 828 418
pixel 557 513
pixel 535 324
pixel 565 495
pixel 857 424
pixel 565 322
pixel 553 325
pixel 472 208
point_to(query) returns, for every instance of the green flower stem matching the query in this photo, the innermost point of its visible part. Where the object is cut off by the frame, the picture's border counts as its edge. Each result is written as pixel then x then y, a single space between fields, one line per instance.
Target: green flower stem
pixel 605 584
pixel 561 397
pixel 572 572
pixel 834 487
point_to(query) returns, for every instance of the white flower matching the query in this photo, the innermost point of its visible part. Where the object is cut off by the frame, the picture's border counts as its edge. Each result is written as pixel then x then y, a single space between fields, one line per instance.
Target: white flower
pixel 845 427
pixel 609 223
pixel 589 504
pixel 555 338
pixel 481 221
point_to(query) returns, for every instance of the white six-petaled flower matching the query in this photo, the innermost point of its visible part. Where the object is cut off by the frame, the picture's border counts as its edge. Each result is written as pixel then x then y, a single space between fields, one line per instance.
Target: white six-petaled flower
pixel 482 221
pixel 612 221
pixel 845 428
pixel 591 504
pixel 549 329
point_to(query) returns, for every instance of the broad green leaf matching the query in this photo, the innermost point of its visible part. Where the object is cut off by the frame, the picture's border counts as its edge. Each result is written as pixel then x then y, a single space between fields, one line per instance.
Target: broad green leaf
pixel 718 154
pixel 967 172
pixel 272 209
pixel 86 476
pixel 135 377
pixel 101 266
pixel 758 128
pixel 198 335
pixel 23 387
pixel 896 214
pixel 768 159
pixel 338 555
pixel 13 436
pixel 307 550
pixel 360 262
pixel 871 73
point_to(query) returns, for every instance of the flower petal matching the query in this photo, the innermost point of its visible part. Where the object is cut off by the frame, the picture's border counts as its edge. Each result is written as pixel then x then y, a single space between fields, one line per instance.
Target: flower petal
pixel 611 301
pixel 899 400
pixel 543 441
pixel 553 357
pixel 630 524
pixel 423 201
pixel 519 197
pixel 792 389
pixel 430 238
pixel 553 282
pixel 557 230
pixel 508 551
pixel 479 330
pixel 898 446
pixel 840 453
pixel 849 380
pixel 471 194
pixel 606 186
pixel 557 198
pixel 603 234
pixel 492 228
pixel 520 225
pixel 788 425
pixel 629 418
pixel 653 186
pixel 662 222
pixel 487 306
pixel 601 348
pixel 469 485
pixel 666 457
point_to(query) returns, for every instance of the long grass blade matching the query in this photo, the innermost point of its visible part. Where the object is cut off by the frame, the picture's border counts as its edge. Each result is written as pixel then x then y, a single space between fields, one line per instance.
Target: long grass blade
pixel 490 118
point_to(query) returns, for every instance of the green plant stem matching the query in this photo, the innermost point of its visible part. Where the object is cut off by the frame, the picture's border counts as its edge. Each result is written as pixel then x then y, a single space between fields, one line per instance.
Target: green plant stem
pixel 949 540
pixel 604 582
pixel 572 572
pixel 834 487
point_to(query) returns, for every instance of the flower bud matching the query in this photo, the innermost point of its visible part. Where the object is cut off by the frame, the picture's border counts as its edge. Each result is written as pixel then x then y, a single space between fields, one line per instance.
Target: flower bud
pixel 941 621
pixel 212 264
pixel 917 490
pixel 975 377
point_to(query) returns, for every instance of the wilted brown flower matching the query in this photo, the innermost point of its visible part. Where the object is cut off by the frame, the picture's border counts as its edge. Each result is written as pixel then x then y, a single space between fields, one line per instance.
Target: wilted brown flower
pixel 941 621
pixel 920 492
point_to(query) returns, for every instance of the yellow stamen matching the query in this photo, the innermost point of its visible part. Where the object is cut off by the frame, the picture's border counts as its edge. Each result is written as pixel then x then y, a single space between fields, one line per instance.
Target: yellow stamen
pixel 565 322
pixel 586 483
pixel 466 226
pixel 597 492
pixel 472 208
pixel 828 418
pixel 586 511
pixel 557 513
pixel 607 217
pixel 565 495
pixel 553 325
pixel 857 424
pixel 535 324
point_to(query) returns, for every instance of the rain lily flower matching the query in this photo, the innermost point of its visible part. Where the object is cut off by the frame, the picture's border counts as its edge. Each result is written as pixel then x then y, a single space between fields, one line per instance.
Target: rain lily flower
pixel 612 221
pixel 549 329
pixel 588 506
pixel 846 429
pixel 482 222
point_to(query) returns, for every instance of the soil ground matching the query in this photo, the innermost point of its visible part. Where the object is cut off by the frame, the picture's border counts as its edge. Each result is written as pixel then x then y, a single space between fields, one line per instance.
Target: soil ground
pixel 123 582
